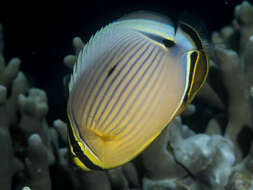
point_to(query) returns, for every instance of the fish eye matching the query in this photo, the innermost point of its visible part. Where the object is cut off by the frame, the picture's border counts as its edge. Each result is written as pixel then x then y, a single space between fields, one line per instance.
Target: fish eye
pixel 168 43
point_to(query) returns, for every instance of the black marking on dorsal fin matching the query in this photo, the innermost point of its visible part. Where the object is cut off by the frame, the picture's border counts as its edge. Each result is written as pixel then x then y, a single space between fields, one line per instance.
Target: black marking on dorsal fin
pixel 168 43
pixel 111 70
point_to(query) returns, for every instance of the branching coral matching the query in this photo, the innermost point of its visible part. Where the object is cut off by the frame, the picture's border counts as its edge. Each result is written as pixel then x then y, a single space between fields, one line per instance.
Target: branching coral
pixel 7 154
pixel 236 70
pixel 37 163
pixel 239 109
pixel 22 116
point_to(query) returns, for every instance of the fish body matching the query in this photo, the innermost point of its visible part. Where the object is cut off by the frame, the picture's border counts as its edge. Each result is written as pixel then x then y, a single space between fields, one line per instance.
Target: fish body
pixel 130 80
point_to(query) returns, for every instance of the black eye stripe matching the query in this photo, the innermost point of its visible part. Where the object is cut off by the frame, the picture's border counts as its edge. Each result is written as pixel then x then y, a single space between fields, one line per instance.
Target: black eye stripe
pixel 167 43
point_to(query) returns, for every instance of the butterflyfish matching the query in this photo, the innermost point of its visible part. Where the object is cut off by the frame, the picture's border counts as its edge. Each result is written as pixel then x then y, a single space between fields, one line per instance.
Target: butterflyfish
pixel 129 81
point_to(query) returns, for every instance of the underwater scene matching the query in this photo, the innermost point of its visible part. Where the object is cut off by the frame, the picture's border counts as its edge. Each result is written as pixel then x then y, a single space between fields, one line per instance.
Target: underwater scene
pixel 126 95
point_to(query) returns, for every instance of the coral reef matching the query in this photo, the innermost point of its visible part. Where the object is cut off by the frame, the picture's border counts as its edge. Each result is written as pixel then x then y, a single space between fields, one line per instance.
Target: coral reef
pixel 202 149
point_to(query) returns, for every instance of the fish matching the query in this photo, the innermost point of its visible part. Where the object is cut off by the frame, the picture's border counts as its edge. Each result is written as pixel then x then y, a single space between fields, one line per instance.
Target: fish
pixel 131 79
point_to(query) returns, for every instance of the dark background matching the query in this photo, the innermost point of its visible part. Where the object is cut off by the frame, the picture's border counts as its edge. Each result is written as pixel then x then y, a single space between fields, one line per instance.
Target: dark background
pixel 41 32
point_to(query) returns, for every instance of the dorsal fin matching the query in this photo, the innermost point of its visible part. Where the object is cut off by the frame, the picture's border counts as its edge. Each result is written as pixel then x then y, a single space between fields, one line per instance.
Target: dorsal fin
pixel 84 59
